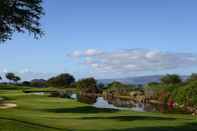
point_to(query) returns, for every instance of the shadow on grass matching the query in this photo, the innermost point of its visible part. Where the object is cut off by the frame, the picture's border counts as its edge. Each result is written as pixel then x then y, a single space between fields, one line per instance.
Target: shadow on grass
pixel 6 87
pixel 128 118
pixel 32 124
pixel 83 109
pixel 186 127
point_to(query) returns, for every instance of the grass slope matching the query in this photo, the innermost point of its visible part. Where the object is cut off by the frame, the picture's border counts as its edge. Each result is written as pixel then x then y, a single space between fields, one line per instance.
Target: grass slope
pixel 42 113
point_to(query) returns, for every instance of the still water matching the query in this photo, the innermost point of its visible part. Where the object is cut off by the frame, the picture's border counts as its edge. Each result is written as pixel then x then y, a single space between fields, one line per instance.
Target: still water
pixel 102 103
pixel 117 103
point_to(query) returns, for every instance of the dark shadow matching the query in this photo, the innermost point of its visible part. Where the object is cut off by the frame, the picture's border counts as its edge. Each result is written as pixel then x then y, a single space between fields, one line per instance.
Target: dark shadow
pixel 186 127
pixel 129 118
pixel 9 88
pixel 83 109
pixel 32 124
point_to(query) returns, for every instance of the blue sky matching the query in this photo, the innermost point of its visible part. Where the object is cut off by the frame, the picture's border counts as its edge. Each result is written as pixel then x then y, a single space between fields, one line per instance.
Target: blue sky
pixel 108 26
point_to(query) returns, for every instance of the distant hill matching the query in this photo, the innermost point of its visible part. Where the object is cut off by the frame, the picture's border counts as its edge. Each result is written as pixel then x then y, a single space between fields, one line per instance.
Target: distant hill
pixel 38 80
pixel 137 80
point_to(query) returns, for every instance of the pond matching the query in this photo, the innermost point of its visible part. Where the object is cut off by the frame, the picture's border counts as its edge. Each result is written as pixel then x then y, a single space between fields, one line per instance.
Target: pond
pixel 123 104
pixel 38 93
pixel 102 103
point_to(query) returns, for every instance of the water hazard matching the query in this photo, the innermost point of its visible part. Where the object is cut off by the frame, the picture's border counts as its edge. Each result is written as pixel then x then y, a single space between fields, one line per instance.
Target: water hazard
pixel 122 104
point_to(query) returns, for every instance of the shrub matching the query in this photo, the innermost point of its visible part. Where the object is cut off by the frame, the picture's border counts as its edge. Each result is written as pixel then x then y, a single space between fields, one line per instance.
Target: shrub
pixel 187 94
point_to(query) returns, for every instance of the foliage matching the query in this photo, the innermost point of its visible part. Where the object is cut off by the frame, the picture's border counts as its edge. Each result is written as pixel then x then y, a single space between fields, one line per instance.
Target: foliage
pixel 192 78
pixel 42 113
pixel 26 83
pixel 172 87
pixel 171 79
pixel 20 16
pixel 12 77
pixel 153 90
pixel 160 91
pixel 100 85
pixel 188 94
pixel 62 80
pixel 16 79
pixel 88 85
pixel 119 88
pixel 38 84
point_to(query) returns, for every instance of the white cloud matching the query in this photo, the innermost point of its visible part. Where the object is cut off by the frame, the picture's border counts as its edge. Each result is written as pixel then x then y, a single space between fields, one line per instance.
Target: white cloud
pixel 5 70
pixel 135 60
pixel 23 71
pixel 29 75
pixel 152 54
pixel 86 53
pixel 92 52
pixel 76 53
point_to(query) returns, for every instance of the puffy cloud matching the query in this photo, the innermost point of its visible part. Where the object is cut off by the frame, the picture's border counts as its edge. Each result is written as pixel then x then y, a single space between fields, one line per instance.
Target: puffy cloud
pixel 5 70
pixel 86 53
pixel 135 60
pixel 76 54
pixel 29 75
pixel 92 52
pixel 23 71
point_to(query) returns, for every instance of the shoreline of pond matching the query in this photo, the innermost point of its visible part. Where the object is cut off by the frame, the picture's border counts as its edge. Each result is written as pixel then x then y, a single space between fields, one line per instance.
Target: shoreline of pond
pixel 187 110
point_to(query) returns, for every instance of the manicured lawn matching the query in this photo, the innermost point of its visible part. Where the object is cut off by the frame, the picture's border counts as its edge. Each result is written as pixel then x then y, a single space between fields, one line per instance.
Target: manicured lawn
pixel 42 113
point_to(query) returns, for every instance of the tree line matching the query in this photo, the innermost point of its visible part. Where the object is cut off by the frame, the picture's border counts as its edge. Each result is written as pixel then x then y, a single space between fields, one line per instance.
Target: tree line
pixel 11 77
pixel 170 87
pixel 64 80
pixel 173 88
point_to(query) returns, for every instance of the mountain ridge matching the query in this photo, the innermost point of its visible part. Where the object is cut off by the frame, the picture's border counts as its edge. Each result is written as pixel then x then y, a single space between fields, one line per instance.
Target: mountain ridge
pixel 138 80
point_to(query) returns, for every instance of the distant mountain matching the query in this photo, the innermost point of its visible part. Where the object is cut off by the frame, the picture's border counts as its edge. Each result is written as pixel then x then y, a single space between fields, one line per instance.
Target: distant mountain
pixel 38 80
pixel 137 80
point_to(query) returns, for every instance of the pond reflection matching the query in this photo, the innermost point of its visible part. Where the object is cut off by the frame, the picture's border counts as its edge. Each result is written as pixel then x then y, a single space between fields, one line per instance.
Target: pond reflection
pixel 101 103
pixel 122 104
pixel 38 93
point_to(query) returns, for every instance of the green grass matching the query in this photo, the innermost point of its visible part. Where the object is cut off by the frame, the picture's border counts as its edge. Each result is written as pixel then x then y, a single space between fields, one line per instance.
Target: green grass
pixel 49 89
pixel 42 113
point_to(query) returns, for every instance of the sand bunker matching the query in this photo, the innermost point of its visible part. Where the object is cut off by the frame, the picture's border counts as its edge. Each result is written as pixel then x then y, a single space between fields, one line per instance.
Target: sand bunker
pixel 7 105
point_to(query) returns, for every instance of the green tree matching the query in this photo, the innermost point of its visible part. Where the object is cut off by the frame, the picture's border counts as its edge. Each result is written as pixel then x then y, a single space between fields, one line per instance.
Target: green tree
pixel 38 83
pixel 26 83
pixel 10 76
pixel 20 16
pixel 171 79
pixel 119 88
pixel 88 85
pixel 187 94
pixel 1 78
pixel 192 78
pixel 62 80
pixel 16 79
pixel 101 85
